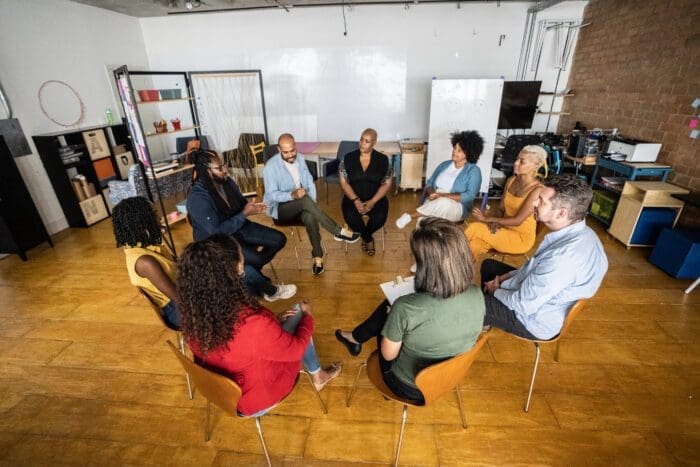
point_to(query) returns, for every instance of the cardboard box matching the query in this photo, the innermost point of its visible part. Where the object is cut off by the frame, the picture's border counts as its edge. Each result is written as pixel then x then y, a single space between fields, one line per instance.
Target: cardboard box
pixel 94 209
pixel 96 143
pixel 124 161
pixel 104 168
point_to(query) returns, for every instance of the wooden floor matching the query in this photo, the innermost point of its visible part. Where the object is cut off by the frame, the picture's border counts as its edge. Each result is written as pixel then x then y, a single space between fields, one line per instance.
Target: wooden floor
pixel 86 376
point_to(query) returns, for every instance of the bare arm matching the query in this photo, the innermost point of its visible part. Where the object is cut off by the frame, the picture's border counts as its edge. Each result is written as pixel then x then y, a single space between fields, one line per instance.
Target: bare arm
pixel 148 268
pixel 390 349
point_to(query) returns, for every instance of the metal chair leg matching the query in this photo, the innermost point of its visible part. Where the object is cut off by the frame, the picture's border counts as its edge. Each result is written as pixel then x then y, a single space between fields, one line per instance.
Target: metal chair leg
pixel 262 441
pixel 296 251
pixel 354 384
pixel 383 232
pixel 534 373
pixel 274 271
pixel 461 409
pixel 207 431
pixel 403 426
pixel 181 341
pixel 318 394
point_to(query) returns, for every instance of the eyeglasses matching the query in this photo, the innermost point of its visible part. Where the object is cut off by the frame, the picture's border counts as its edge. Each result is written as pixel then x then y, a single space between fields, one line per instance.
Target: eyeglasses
pixel 218 168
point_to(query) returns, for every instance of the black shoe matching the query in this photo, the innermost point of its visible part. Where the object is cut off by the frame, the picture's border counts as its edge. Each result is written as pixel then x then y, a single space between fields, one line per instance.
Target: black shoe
pixel 344 238
pixel 317 269
pixel 353 348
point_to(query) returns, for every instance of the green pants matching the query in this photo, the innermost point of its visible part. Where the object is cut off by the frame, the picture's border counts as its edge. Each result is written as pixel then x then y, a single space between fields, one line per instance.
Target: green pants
pixel 307 211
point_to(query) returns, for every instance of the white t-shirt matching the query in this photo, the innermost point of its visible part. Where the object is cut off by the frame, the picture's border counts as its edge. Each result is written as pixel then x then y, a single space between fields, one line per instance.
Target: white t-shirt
pixel 294 172
pixel 445 181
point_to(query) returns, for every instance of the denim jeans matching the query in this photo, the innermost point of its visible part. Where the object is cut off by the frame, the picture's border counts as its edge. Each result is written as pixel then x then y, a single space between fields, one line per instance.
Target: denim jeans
pixel 259 243
pixel 310 359
pixel 171 314
pixel 257 283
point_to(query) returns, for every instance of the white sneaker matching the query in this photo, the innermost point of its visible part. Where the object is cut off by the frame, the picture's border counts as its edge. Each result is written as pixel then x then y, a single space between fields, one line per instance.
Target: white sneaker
pixel 284 291
pixel 403 221
pixel 413 268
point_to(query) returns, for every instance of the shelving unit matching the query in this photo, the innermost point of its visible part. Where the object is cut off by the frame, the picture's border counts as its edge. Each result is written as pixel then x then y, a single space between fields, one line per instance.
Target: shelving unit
pixel 80 213
pixel 629 170
pixel 638 197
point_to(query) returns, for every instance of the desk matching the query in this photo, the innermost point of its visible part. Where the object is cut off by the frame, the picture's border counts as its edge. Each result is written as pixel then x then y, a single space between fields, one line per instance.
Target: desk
pixel 632 170
pixel 329 150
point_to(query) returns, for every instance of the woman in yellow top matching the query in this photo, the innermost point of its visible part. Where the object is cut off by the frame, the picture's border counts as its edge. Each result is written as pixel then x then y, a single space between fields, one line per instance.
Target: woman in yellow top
pixel 149 261
pixel 513 229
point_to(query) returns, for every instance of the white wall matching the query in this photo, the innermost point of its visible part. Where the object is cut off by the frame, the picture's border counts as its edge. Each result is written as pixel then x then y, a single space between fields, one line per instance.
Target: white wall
pixel 59 40
pixel 322 85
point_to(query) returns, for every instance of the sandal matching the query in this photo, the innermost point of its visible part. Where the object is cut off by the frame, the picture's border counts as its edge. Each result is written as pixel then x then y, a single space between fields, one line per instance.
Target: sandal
pixel 370 248
pixel 364 245
pixel 334 369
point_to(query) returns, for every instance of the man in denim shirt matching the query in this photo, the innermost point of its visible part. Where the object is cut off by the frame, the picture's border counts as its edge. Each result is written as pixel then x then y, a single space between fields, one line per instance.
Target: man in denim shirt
pixel 533 301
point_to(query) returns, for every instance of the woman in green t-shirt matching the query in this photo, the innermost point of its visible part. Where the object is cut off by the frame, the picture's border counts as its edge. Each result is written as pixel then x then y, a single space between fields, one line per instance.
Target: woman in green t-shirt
pixel 441 319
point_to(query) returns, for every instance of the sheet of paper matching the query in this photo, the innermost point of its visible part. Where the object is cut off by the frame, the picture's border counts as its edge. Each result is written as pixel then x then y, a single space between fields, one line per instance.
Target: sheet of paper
pixel 397 288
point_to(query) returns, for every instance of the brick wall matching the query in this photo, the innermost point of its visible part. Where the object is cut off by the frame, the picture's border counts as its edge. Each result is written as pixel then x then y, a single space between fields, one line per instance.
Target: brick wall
pixel 637 68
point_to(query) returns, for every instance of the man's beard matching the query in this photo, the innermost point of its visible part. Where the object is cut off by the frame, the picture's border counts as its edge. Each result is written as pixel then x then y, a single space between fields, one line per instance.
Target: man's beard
pixel 220 180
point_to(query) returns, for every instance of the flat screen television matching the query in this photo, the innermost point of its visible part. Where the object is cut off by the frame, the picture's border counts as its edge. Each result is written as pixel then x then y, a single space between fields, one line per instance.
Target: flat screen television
pixel 518 104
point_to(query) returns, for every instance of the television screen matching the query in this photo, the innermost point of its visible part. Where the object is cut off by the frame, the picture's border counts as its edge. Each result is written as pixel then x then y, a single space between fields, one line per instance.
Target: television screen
pixel 518 104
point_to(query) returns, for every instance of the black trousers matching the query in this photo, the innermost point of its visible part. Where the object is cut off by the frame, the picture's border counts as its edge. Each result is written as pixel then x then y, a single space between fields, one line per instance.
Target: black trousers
pixel 372 327
pixel 377 217
pixel 497 314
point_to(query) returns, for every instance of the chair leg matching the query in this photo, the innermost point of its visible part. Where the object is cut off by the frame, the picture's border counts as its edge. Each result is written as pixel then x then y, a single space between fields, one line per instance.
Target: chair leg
pixel 403 426
pixel 207 431
pixel 383 233
pixel 534 373
pixel 461 409
pixel 262 441
pixel 296 251
pixel 354 384
pixel 318 394
pixel 181 341
pixel 274 271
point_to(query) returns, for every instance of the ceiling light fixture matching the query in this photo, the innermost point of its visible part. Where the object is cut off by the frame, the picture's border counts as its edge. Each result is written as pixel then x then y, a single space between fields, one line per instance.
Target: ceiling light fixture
pixel 193 4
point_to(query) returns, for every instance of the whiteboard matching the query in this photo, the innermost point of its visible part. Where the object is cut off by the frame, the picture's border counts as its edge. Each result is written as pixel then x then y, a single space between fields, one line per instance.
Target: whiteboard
pixel 460 105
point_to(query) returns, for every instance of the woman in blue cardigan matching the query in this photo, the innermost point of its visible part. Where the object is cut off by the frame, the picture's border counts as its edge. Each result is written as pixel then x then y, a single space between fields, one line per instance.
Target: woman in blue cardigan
pixel 451 189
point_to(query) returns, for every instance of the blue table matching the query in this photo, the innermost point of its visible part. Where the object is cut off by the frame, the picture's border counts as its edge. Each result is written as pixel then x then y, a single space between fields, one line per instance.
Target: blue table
pixel 632 170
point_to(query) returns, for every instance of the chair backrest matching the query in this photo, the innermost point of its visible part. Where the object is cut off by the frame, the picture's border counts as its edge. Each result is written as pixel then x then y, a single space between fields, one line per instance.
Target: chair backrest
pixel 219 390
pixel 440 378
pixel 245 140
pixel 257 150
pixel 573 312
pixel 346 147
pixel 269 151
pixel 156 309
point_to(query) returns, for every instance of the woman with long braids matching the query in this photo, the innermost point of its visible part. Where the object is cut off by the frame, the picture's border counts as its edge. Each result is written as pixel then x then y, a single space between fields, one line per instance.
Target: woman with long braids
pixel 230 332
pixel 215 205
pixel 149 261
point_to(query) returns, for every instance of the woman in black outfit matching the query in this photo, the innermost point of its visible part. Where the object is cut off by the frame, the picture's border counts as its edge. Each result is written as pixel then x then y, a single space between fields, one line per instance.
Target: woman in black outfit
pixel 365 178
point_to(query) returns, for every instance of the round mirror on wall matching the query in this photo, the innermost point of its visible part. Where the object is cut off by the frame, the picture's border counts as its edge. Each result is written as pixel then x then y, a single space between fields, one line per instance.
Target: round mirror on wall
pixel 61 103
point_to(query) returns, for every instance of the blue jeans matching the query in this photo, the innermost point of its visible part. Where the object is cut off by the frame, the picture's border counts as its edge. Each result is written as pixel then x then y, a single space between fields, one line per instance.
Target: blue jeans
pixel 257 283
pixel 259 243
pixel 171 314
pixel 310 359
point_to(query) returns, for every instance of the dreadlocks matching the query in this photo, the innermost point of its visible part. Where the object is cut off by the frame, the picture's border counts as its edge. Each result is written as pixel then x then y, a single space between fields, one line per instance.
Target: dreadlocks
pixel 135 223
pixel 212 292
pixel 234 202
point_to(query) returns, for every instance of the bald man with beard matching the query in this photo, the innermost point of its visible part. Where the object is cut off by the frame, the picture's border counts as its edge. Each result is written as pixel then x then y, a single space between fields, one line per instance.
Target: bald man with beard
pixel 290 195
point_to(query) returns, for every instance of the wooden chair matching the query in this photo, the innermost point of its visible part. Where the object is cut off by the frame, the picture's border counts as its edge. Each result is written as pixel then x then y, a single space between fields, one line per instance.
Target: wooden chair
pixel 257 150
pixel 225 394
pixel 433 382
pixel 573 312
pixel 180 339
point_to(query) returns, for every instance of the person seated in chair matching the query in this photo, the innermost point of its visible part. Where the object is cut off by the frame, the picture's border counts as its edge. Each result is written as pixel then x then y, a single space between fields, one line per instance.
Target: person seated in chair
pixel 451 189
pixel 290 195
pixel 215 205
pixel 569 265
pixel 149 262
pixel 365 178
pixel 513 229
pixel 232 334
pixel 443 318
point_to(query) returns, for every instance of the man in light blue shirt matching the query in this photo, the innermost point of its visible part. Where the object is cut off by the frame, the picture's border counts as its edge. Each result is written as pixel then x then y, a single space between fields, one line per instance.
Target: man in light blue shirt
pixel 290 195
pixel 569 265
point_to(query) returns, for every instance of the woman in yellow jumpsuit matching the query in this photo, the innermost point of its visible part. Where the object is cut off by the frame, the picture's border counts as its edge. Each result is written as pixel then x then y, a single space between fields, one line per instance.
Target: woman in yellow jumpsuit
pixel 512 229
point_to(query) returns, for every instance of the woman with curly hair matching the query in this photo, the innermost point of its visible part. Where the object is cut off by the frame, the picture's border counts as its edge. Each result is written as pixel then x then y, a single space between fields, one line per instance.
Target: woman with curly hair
pixel 149 261
pixel 451 189
pixel 230 332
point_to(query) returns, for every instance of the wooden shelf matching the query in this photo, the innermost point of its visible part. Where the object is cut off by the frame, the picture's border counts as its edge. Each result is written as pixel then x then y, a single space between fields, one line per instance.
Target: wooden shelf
pixel 556 95
pixel 553 113
pixel 173 131
pixel 160 101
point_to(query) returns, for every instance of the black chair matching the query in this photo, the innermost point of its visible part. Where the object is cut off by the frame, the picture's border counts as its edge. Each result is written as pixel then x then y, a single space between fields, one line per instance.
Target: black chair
pixel 330 169
pixel 514 144
pixel 273 149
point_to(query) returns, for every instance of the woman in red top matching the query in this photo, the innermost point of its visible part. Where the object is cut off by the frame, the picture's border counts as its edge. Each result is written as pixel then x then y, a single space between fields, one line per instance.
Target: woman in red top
pixel 231 333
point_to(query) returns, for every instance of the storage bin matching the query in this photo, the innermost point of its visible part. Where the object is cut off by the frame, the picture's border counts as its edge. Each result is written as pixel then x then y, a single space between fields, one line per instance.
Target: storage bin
pixel 94 209
pixel 677 252
pixel 650 223
pixel 166 94
pixel 603 205
pixel 148 95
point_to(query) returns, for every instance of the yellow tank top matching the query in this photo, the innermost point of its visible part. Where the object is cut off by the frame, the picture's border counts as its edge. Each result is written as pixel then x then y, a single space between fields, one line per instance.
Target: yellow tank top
pixel 160 253
pixel 512 205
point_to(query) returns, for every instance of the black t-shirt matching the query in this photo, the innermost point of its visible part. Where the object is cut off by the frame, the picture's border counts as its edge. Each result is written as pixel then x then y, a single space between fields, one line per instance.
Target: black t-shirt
pixel 365 183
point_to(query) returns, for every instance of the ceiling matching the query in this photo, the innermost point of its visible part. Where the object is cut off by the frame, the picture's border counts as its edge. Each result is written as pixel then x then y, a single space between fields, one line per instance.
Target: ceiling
pixel 149 8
